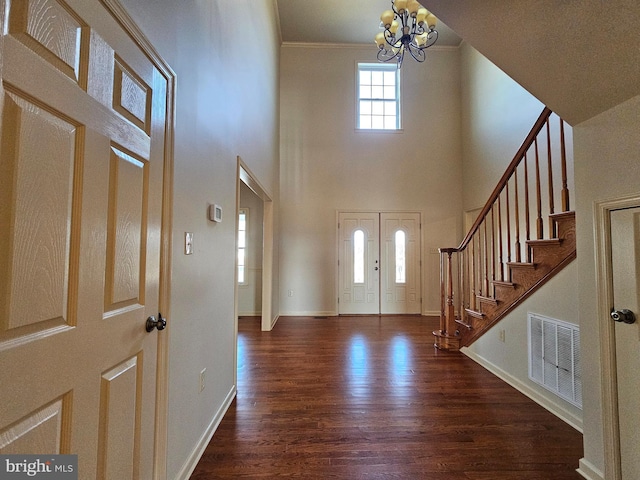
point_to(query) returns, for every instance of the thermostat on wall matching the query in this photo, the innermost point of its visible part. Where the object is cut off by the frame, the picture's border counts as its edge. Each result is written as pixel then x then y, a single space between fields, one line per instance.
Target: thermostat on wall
pixel 215 213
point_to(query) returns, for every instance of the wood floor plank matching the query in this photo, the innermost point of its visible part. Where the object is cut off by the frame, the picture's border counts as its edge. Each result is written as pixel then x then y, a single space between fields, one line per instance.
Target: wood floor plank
pixel 369 397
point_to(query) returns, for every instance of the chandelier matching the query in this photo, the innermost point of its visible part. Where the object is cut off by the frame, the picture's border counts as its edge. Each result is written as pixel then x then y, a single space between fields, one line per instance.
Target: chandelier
pixel 408 27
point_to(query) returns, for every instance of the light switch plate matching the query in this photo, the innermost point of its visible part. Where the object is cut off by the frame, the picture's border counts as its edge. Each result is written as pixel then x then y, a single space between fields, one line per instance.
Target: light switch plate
pixel 188 243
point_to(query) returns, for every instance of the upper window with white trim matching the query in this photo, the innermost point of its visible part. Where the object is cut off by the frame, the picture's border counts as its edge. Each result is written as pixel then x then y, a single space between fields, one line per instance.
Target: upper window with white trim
pixel 378 97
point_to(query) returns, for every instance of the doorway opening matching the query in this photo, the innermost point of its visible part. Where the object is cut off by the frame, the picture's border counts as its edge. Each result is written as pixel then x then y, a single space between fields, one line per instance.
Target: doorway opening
pixel 246 182
pixel 379 259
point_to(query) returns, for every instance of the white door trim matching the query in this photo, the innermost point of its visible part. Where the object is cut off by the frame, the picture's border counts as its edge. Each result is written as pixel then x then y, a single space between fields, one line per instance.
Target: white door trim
pixel 604 287
pixel 115 8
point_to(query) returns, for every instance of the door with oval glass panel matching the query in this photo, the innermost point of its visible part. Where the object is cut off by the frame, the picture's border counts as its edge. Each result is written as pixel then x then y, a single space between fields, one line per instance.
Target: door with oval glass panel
pixel 379 263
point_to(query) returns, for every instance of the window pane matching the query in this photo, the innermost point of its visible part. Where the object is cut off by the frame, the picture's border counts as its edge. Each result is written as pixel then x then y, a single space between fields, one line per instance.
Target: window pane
pixel 365 91
pixel 365 107
pixel 390 123
pixel 377 92
pixel 240 274
pixel 389 108
pixel 377 123
pixel 400 257
pixel 377 78
pixel 241 256
pixel 358 256
pixel 365 77
pixel 242 239
pixel 365 121
pixel 377 108
pixel 390 92
pixel 390 78
pixel 242 219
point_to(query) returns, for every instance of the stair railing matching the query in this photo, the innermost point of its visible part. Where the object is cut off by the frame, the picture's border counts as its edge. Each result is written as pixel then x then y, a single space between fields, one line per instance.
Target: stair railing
pixel 515 213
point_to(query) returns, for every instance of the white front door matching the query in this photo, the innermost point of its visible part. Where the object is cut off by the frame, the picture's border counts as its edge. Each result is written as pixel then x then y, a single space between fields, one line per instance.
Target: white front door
pixel 359 263
pixel 379 263
pixel 400 259
pixel 82 155
pixel 625 255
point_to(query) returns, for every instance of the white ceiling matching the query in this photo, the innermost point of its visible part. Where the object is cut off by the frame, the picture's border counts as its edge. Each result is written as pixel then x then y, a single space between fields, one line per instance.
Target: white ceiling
pixel 579 57
pixel 340 22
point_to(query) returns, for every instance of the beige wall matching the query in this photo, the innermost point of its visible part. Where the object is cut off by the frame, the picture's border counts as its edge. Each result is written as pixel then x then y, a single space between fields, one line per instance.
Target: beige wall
pixel 497 115
pixel 227 105
pixel 326 165
pixel 607 152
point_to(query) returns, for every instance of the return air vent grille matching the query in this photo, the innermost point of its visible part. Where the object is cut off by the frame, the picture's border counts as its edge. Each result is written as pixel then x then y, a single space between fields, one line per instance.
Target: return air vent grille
pixel 554 357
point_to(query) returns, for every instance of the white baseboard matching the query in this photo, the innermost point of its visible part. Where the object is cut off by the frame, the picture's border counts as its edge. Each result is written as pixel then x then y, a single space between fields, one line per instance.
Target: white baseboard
pixel 588 471
pixel 430 313
pixel 308 313
pixel 191 463
pixel 522 387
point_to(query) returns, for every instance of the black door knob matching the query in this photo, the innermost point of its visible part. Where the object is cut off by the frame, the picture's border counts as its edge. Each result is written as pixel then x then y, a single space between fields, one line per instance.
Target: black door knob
pixel 152 323
pixel 624 316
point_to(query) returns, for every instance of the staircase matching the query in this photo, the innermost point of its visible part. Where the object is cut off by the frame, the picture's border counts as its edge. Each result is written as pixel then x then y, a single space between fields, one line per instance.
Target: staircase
pixel 518 242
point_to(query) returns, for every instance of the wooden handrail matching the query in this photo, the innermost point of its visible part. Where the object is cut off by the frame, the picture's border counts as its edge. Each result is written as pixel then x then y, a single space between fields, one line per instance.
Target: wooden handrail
pixel 540 123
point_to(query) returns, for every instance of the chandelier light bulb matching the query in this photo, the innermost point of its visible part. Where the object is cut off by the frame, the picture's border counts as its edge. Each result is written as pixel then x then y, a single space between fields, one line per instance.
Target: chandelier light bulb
pixel 401 5
pixel 386 18
pixel 413 6
pixel 431 20
pixel 421 15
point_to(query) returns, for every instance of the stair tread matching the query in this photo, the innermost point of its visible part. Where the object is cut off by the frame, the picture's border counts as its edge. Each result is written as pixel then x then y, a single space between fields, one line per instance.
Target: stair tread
pixel 561 215
pixel 545 241
pixel 490 300
pixel 464 324
pixel 501 283
pixel 522 264
pixel 440 333
pixel 474 313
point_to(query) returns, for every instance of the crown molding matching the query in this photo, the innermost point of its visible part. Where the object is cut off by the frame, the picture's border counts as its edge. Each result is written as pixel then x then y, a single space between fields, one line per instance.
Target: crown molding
pixel 356 45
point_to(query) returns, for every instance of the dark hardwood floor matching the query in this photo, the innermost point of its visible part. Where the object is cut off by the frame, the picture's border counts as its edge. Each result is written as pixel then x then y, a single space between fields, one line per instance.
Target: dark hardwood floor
pixel 369 397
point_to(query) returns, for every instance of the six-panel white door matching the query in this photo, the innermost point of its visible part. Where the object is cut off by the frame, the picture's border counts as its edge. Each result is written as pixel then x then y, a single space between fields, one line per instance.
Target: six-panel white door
pixel 81 179
pixel 625 255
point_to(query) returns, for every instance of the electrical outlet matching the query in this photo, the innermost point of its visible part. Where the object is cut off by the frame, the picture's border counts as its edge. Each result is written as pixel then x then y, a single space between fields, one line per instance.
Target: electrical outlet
pixel 202 378
pixel 290 293
pixel 501 335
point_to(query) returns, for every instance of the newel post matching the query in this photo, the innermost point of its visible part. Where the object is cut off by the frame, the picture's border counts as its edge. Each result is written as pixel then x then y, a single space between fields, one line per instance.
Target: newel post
pixel 446 338
pixel 450 325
